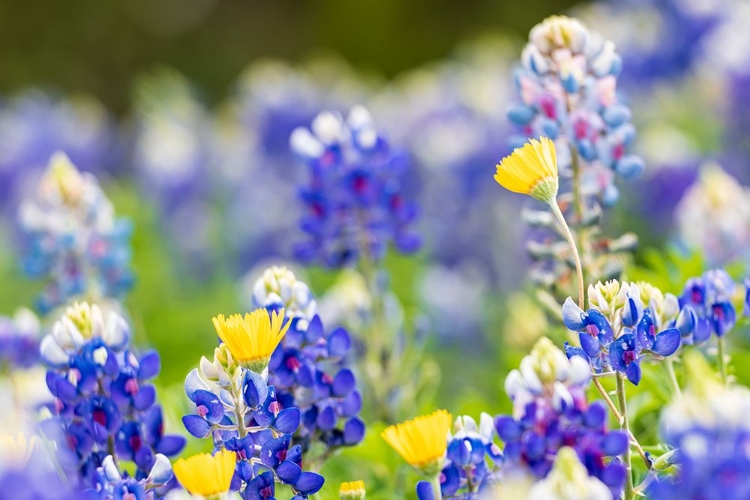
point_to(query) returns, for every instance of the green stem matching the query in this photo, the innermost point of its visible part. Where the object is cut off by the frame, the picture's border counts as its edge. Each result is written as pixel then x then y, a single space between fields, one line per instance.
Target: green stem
pixel 436 487
pixel 722 360
pixel 624 425
pixel 673 377
pixel 573 248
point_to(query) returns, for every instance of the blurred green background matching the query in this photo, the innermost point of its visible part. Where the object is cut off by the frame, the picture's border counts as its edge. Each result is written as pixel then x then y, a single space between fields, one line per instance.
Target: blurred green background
pixel 99 47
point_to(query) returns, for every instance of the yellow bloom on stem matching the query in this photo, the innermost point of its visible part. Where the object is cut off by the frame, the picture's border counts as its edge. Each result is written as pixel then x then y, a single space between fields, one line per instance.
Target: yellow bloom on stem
pixel 15 452
pixel 354 490
pixel 531 170
pixel 206 475
pixel 422 441
pixel 253 337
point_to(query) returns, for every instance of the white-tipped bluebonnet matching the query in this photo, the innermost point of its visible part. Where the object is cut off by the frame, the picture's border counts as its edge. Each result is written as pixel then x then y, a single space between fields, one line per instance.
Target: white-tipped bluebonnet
pixel 617 331
pixel 309 369
pixel 551 411
pixel 72 239
pixel 19 339
pixel 354 199
pixel 104 401
pixel 111 484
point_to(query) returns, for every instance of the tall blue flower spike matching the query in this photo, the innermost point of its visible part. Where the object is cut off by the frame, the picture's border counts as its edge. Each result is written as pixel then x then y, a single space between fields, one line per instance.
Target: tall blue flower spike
pixel 550 411
pixel 567 84
pixel 618 331
pixel 309 370
pixel 354 200
pixel 35 125
pixel 72 239
pixel 104 404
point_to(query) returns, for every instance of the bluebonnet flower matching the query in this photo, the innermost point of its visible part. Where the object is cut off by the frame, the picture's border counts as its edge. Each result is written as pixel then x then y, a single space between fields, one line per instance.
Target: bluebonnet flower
pixel 19 339
pixel 35 125
pixel 709 431
pixel 241 413
pixel 308 369
pixel 103 399
pixel 72 239
pixel 567 84
pixel 713 216
pixel 355 204
pixel 709 299
pixel 617 331
pixel 551 412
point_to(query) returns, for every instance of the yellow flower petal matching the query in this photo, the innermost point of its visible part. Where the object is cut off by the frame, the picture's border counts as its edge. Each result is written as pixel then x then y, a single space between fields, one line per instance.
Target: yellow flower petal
pixel 531 170
pixel 354 490
pixel 206 475
pixel 253 337
pixel 422 441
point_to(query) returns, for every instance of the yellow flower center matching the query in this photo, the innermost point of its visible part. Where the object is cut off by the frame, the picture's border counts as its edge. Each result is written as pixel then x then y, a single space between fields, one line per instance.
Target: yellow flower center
pixel 422 441
pixel 206 475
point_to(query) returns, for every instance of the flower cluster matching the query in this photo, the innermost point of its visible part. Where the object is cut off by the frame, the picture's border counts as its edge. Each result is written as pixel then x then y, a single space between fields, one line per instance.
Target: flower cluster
pixel 308 369
pixel 709 430
pixel 354 200
pixel 617 330
pixel 72 238
pixel 708 299
pixel 551 411
pixel 251 429
pixel 567 84
pixel 104 403
pixel 19 340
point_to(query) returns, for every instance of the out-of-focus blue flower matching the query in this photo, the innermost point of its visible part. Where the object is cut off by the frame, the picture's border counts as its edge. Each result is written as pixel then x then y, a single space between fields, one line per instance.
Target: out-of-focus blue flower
pixel 709 298
pixel 354 199
pixel 35 125
pixel 713 216
pixel 104 401
pixel 551 411
pixel 617 331
pixel 19 339
pixel 72 239
pixel 567 83
pixel 112 485
pixel 709 431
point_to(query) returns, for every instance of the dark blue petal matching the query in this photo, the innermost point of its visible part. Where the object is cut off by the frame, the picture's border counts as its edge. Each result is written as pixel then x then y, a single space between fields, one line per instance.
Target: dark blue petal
pixel 667 342
pixel 507 428
pixel 598 325
pixel 614 443
pixel 171 445
pixel 723 317
pixel 327 419
pixel 354 431
pixel 209 406
pixel 633 372
pixel 351 404
pixel 315 330
pixel 424 491
pixel 686 321
pixel 589 344
pixel 287 420
pixel 309 483
pixel 614 475
pixel 632 312
pixel 339 343
pixel 288 472
pixel 196 426
pixel 145 398
pixel 595 416
pixel 344 382
pixel 149 365
pixel 254 389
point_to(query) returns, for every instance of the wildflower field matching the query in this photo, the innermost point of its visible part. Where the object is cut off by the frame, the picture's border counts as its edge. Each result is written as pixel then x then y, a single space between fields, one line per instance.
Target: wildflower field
pixel 517 272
